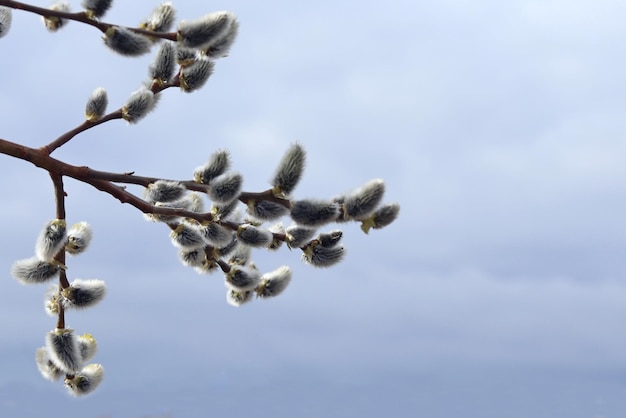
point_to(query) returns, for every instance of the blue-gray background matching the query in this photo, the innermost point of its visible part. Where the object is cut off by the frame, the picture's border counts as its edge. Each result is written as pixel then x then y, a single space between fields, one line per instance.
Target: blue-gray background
pixel 499 292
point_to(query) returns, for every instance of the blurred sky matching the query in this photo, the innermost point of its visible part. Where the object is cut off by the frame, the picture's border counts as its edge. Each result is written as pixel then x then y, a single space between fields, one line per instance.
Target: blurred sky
pixel 498 293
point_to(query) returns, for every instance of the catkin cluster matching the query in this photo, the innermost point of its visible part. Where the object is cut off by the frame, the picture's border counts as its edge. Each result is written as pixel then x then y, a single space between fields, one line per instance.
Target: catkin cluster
pixel 212 222
pixel 224 239
pixel 65 354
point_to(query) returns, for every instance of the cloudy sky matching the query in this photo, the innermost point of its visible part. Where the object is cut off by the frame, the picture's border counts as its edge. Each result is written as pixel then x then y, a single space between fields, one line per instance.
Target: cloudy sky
pixel 498 293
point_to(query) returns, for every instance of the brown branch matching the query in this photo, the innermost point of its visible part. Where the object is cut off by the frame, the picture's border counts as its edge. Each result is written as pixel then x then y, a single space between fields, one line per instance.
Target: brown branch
pixel 82 17
pixel 104 181
pixel 66 137
pixel 59 194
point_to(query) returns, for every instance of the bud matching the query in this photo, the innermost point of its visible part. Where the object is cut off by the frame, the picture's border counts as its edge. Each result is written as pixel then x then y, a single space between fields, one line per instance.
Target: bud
pixel 187 236
pixel 274 283
pixel 207 30
pixel 5 20
pixel 85 381
pixel 96 105
pixel 225 187
pixel 266 210
pixel 46 367
pixel 330 239
pixel 218 164
pixel 363 201
pixel 254 237
pixel 96 8
pixel 242 278
pixel 54 23
pixel 193 76
pixel 220 47
pixel 63 349
pixel 289 171
pixel 78 238
pixel 161 19
pixel 87 346
pixel 33 270
pixel 51 240
pixel 84 293
pixel 126 42
pixel 319 256
pixel 238 297
pixel 216 235
pixel 164 191
pixel 314 212
pixel 139 104
pixel 163 67
pixel 192 258
pixel 382 217
pixel 297 236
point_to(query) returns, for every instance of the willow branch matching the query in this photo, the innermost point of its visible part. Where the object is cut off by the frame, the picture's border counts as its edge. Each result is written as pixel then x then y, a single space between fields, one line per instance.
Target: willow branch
pixel 82 17
pixel 66 137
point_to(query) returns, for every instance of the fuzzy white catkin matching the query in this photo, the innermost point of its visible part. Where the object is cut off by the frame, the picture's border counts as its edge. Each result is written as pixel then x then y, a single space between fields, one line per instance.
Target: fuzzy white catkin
pixel 96 8
pixel 96 105
pixel 164 191
pixel 225 187
pixel 6 16
pixel 161 19
pixel 218 164
pixel 266 210
pixel 216 234
pixel 319 256
pixel 242 278
pixel 221 46
pixel 88 346
pixel 314 212
pixel 277 231
pixel 253 236
pixel 330 239
pixel 33 270
pixel 289 170
pixel 194 76
pixel 363 201
pixel 192 258
pixel 297 236
pixel 381 217
pixel 126 42
pixel 240 255
pixel 78 238
pixel 51 240
pixel 201 33
pixel 164 63
pixel 84 293
pixel 139 104
pixel 274 283
pixel 187 236
pixel 237 297
pixel 85 381
pixel 63 349
pixel 46 367
pixel 55 23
